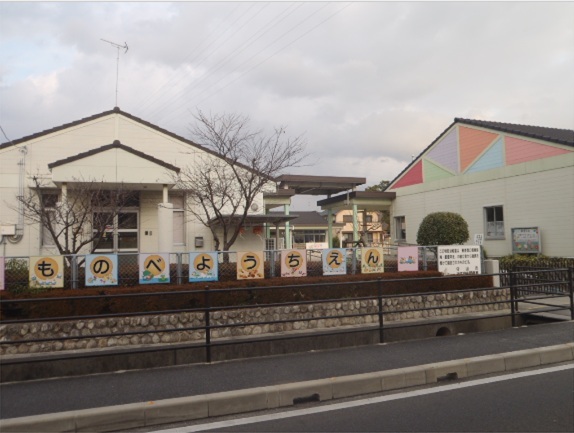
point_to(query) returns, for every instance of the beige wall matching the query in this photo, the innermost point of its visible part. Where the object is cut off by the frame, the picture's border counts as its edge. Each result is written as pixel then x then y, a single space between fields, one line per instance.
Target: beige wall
pixel 538 193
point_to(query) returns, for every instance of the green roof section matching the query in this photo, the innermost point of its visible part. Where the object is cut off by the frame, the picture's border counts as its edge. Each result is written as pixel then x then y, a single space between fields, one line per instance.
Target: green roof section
pixel 434 172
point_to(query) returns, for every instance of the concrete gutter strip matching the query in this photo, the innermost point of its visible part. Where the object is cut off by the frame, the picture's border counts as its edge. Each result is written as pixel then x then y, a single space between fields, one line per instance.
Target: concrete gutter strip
pixel 181 409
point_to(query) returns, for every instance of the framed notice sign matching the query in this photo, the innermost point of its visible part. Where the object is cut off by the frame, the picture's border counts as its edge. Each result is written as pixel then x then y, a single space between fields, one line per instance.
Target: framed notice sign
pixel 459 259
pixel 526 240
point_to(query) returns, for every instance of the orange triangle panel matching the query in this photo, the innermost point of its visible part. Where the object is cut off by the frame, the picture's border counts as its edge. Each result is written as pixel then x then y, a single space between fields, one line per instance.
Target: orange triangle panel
pixel 411 177
pixel 518 151
pixel 472 143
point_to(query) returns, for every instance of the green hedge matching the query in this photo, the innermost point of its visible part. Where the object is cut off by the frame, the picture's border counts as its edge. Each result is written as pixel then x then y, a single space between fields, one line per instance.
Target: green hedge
pixel 507 263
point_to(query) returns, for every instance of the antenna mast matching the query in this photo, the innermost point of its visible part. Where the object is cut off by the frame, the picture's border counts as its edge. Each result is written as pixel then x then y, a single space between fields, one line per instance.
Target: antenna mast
pixel 117 46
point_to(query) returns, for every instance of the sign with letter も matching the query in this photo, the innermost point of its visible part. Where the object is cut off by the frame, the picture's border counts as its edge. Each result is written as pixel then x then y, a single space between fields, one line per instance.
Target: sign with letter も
pixel 47 272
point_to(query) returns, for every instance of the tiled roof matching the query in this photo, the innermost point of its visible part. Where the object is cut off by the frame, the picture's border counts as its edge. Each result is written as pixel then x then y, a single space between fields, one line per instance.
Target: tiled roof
pixel 554 135
pixel 306 218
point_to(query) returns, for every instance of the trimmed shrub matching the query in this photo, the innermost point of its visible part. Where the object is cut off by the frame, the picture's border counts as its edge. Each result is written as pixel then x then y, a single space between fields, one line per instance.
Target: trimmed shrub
pixel 443 228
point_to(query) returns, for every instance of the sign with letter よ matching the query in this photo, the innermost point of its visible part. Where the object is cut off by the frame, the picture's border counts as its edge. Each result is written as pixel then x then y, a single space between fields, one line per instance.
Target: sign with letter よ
pixel 47 272
pixel 372 260
pixel 293 263
pixel 459 259
pixel 203 267
pixel 250 265
pixel 334 261
pixel 101 270
pixel 153 268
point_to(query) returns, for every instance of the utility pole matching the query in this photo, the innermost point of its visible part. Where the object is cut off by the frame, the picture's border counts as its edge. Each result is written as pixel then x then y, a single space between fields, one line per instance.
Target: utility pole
pixel 117 46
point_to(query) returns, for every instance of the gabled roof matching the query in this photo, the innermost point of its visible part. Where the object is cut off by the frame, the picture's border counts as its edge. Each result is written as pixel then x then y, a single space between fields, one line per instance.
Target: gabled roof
pixel 306 218
pixel 115 145
pixel 553 135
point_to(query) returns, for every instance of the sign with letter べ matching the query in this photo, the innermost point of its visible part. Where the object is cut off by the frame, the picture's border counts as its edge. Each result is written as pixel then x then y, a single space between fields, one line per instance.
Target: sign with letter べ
pixel 47 272
pixel 153 268
pixel 203 267
pixel 101 270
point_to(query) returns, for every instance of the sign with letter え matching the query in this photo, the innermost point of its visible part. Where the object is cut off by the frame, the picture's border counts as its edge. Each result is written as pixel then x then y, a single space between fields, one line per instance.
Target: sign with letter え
pixel 334 261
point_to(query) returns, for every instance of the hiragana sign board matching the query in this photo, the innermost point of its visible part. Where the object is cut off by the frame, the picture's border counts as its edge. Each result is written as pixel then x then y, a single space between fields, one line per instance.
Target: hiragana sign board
pixel 101 270
pixel 47 271
pixel 153 268
pixel 203 266
pixel 293 263
pixel 250 265
pixel 372 260
pixel 334 261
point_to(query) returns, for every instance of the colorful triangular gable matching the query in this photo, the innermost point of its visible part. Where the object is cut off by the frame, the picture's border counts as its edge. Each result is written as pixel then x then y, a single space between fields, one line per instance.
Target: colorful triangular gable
pixel 446 152
pixel 411 177
pixel 472 143
pixel 434 172
pixel 518 151
pixel 492 158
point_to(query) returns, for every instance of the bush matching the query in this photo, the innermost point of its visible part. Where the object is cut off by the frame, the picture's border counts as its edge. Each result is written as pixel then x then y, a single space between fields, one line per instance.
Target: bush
pixel 443 228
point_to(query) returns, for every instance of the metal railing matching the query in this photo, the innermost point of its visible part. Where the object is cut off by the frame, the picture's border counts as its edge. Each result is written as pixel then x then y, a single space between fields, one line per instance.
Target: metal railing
pixel 209 306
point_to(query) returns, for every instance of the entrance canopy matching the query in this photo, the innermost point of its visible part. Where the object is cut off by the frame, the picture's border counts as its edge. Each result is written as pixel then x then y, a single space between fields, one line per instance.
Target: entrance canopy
pixel 364 200
pixel 319 185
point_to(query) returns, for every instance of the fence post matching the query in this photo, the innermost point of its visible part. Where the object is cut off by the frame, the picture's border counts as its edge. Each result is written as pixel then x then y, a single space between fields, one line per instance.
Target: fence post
pixel 571 290
pixel 207 308
pixel 513 297
pixel 354 266
pixel 74 266
pixel 425 266
pixel 380 302
pixel 179 269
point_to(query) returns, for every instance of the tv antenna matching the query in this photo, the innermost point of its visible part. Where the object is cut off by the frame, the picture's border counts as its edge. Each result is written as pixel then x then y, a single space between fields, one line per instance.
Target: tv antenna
pixel 117 46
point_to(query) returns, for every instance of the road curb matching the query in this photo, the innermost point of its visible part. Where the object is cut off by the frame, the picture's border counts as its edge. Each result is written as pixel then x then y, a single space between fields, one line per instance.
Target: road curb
pixel 181 409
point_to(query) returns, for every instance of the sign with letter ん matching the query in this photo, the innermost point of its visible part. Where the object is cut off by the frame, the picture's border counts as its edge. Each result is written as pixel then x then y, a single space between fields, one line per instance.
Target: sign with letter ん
pixel 459 259
pixel 203 267
pixel 293 263
pixel 372 260
pixel 153 268
pixel 47 272
pixel 101 270
pixel 334 261
pixel 250 265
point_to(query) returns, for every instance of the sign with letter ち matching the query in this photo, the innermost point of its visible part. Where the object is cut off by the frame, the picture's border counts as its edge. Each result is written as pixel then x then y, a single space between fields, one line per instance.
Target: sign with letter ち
pixel 293 263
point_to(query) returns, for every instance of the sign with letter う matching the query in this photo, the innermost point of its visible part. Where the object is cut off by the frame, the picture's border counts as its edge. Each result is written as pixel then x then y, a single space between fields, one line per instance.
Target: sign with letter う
pixel 101 270
pixel 203 267
pixel 47 271
pixel 293 263
pixel 250 265
pixel 334 261
pixel 153 268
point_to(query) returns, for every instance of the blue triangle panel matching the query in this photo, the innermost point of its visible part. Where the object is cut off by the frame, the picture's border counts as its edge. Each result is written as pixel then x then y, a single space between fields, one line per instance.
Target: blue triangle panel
pixel 446 152
pixel 492 158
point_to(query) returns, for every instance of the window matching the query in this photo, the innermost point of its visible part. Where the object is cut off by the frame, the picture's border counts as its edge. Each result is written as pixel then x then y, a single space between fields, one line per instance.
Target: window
pixel 368 218
pixel 494 222
pixel 400 229
pixel 178 219
pixel 347 218
pixel 49 202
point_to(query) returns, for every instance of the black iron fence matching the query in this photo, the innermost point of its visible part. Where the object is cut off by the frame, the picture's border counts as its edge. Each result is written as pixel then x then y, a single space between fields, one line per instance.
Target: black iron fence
pixel 370 297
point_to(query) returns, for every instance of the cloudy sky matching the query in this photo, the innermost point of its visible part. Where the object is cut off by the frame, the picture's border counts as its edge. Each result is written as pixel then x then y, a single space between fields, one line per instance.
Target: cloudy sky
pixel 369 84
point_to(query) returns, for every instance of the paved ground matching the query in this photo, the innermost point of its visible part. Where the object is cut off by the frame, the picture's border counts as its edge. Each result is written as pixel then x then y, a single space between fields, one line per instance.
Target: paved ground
pixel 76 393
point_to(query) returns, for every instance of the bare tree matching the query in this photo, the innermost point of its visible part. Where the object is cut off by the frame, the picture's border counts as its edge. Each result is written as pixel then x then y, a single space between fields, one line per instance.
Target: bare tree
pixel 240 164
pixel 78 221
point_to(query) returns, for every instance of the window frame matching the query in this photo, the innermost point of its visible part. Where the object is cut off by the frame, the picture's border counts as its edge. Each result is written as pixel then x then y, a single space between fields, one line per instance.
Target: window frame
pixel 49 202
pixel 179 211
pixel 498 235
pixel 400 232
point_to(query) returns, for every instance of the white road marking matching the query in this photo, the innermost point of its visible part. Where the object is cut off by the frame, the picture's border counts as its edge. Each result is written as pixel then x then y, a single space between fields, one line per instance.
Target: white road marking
pixel 363 402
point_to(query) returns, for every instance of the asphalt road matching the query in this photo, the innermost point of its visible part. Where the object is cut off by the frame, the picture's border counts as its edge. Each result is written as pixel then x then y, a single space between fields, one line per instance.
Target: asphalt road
pixel 537 403
pixel 74 393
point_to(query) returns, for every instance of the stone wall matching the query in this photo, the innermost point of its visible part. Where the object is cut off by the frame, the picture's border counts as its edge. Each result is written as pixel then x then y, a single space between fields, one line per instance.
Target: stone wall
pixel 105 332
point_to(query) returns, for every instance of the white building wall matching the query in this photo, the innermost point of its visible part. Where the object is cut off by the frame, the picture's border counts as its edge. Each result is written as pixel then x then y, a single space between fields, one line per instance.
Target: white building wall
pixel 535 194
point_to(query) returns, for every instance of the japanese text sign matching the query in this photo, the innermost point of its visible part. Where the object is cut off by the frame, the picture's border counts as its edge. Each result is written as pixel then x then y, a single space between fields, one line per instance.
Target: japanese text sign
pixel 526 240
pixel 47 272
pixel 153 268
pixel 250 265
pixel 459 259
pixel 203 267
pixel 101 270
pixel 334 261
pixel 372 260
pixel 293 263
